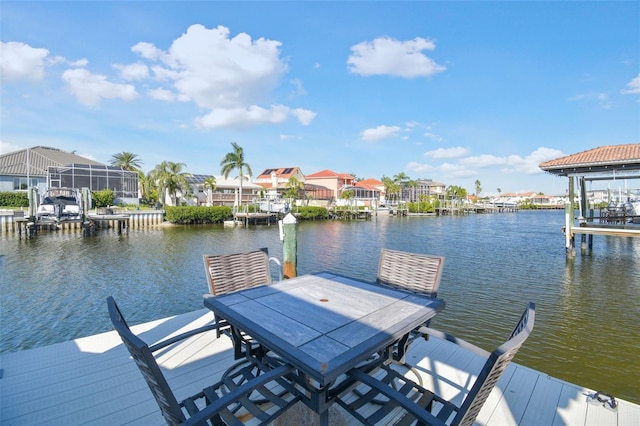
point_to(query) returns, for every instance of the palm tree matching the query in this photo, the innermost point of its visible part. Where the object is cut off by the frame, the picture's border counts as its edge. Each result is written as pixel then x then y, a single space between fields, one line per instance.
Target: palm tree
pixel 235 160
pixel 478 187
pixel 456 192
pixel 144 185
pixel 294 186
pixel 210 185
pixel 347 195
pixel 170 177
pixel 391 188
pixel 126 160
pixel 402 180
pixel 130 161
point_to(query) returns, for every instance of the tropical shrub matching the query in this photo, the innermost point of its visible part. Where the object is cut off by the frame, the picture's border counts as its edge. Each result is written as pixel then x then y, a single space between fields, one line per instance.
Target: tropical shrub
pixel 197 214
pixel 421 207
pixel 14 199
pixel 104 198
pixel 312 213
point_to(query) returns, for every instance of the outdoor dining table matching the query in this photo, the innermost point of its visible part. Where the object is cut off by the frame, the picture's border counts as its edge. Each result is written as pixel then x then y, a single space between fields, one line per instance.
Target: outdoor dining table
pixel 324 324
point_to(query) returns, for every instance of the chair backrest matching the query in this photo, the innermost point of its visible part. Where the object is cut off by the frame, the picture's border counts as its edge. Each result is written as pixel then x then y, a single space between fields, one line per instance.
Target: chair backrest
pixel 494 367
pixel 419 273
pixel 147 365
pixel 227 273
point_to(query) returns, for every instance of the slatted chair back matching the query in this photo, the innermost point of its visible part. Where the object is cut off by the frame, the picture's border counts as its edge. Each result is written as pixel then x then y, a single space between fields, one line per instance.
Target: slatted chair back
pixel 227 273
pixel 147 365
pixel 494 367
pixel 419 273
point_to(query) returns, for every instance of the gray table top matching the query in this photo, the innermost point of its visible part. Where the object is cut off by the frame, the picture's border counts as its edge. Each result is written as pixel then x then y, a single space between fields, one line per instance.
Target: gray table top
pixel 324 324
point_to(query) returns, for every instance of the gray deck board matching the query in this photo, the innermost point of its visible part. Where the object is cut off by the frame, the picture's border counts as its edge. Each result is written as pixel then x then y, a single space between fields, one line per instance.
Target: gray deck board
pixel 93 381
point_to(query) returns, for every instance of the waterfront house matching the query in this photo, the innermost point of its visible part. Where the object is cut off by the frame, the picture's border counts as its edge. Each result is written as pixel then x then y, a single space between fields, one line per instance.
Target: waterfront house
pixel 225 192
pixel 424 188
pixel 45 167
pixel 332 180
pixel 363 194
pixel 274 181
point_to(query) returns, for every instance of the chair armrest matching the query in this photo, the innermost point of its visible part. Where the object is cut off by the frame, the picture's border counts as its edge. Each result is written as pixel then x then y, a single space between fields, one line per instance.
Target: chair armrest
pixel 234 395
pixel 460 342
pixel 174 339
pixel 391 393
pixel 277 262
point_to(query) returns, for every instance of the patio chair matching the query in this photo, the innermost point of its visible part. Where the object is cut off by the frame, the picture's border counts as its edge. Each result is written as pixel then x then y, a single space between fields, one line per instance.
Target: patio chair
pixel 387 389
pixel 227 273
pixel 257 391
pixel 419 273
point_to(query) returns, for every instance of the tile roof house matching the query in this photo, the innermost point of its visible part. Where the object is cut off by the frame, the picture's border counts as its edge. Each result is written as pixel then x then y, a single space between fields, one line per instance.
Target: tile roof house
pixel 332 180
pixel 274 181
pixel 371 183
pixel 224 193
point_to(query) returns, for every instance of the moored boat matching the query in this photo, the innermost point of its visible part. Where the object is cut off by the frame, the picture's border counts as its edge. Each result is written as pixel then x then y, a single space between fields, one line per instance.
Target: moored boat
pixel 60 204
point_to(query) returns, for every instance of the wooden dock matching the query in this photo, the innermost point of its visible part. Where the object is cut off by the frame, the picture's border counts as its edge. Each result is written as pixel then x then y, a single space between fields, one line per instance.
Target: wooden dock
pixel 93 380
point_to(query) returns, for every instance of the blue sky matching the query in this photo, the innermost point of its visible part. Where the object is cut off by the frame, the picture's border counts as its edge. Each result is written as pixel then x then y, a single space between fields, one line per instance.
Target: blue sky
pixel 450 91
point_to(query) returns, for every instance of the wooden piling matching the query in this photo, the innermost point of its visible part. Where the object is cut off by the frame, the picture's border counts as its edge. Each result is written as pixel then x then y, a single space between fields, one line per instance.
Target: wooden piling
pixel 289 246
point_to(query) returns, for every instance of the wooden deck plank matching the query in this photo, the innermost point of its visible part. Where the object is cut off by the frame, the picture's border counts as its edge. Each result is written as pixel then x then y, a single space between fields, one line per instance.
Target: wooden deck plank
pixel 515 388
pixel 93 380
pixel 541 408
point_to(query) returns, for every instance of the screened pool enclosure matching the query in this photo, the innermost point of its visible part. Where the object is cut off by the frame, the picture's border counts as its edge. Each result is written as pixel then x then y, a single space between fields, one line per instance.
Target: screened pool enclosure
pixel 123 183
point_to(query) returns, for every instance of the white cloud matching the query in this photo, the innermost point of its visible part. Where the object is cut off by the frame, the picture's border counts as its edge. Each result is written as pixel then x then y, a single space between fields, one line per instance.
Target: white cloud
pixel 434 137
pixel 514 163
pixel 19 61
pixel 600 97
pixel 414 166
pixel 289 137
pixel 633 87
pixel 242 117
pixel 137 71
pixel 148 51
pixel 229 76
pixel 379 133
pixel 298 88
pixel 162 95
pixel 304 116
pixel 386 56
pixel 252 116
pixel 487 160
pixel 78 64
pixel 447 152
pixel 89 89
pixel 456 170
pixel 6 147
pixel 217 71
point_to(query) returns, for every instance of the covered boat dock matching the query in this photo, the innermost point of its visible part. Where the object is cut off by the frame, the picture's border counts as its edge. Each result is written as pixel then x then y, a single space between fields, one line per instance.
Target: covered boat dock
pixel 613 165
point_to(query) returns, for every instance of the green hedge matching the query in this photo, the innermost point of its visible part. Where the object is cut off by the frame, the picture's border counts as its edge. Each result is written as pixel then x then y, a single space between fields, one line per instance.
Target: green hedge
pixel 421 207
pixel 14 199
pixel 197 214
pixel 312 213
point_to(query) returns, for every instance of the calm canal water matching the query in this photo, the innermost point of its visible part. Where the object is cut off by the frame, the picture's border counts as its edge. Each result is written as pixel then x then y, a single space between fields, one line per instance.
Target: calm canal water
pixel 587 329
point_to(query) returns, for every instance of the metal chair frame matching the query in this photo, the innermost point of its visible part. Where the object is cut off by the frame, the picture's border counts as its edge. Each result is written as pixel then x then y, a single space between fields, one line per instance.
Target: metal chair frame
pixel 246 393
pixel 388 390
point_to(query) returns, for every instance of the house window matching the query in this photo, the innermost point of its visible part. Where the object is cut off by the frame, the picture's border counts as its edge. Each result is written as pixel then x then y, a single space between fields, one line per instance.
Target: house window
pixel 20 183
